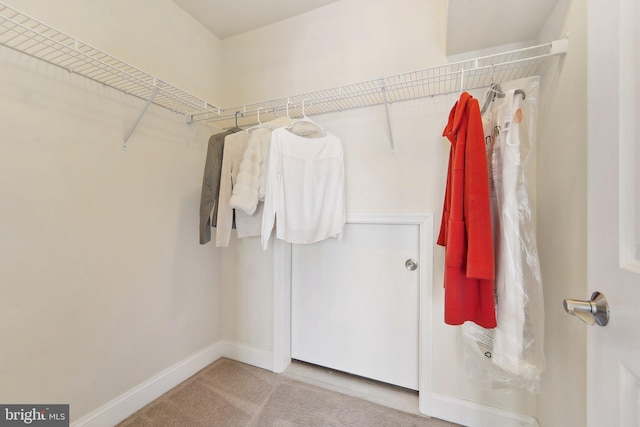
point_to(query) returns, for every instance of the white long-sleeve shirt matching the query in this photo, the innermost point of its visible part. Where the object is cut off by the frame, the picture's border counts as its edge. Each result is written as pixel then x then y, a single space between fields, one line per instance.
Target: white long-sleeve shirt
pixel 304 189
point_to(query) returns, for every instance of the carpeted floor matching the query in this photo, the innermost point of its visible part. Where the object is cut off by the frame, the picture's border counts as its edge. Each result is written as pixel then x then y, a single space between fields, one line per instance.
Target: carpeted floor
pixel 230 394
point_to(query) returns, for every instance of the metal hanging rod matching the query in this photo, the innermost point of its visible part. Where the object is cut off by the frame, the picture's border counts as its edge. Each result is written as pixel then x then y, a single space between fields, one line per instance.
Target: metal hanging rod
pixel 29 36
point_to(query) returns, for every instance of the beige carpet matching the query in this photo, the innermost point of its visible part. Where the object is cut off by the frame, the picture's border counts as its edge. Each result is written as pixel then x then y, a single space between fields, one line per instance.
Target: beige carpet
pixel 230 394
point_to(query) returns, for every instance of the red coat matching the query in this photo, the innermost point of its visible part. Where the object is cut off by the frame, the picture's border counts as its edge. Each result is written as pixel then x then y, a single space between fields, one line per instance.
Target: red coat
pixel 466 221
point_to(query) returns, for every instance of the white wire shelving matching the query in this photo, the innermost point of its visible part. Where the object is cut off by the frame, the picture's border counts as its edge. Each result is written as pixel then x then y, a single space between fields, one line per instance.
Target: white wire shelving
pixel 32 37
pixel 26 34
pixel 444 79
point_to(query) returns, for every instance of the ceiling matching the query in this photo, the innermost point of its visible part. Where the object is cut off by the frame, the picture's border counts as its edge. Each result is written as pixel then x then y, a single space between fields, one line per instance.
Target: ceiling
pixel 475 25
pixel 226 18
pixel 471 25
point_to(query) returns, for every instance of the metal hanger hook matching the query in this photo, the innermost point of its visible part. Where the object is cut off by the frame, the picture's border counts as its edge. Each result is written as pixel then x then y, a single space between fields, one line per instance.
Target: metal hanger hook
pixel 238 112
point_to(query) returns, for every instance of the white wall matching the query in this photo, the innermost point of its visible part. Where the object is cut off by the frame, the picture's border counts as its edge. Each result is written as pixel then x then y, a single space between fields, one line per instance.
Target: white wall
pixel 103 281
pixel 106 284
pixel 344 42
pixel 328 47
pixel 562 218
pixel 247 295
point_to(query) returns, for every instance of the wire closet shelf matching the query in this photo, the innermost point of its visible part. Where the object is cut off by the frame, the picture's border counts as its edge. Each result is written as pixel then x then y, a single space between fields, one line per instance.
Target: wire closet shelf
pixel 29 36
pixel 440 80
pixel 32 37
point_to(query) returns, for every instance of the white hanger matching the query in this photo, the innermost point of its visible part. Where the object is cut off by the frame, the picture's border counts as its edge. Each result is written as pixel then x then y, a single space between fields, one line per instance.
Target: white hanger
pixel 305 119
pixel 259 122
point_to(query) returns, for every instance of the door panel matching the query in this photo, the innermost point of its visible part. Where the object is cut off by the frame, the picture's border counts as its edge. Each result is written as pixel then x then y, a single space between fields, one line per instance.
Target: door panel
pixel 355 305
pixel 613 351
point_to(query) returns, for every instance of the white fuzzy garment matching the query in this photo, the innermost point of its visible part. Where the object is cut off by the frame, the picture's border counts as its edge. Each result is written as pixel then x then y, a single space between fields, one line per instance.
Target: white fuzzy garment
pixel 251 179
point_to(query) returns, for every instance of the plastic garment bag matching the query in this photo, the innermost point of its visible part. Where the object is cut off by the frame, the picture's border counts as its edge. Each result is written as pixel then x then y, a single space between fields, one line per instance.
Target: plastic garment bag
pixel 511 355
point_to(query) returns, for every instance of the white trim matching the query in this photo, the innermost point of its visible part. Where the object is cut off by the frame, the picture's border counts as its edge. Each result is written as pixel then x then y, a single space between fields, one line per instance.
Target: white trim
pixel 440 406
pixel 249 355
pixel 282 297
pixel 473 414
pixel 131 401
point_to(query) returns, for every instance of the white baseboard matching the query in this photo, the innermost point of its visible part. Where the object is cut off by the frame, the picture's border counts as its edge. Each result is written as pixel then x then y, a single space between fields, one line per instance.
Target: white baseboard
pixel 249 355
pixel 445 407
pixel 135 399
pixel 473 414
pixel 126 404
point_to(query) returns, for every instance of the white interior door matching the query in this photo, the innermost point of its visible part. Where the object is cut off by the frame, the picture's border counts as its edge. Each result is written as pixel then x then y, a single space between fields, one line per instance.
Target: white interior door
pixel 613 358
pixel 355 305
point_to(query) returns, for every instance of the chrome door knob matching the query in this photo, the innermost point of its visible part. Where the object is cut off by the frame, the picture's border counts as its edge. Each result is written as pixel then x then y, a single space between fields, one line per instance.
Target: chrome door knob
pixel 411 264
pixel 594 311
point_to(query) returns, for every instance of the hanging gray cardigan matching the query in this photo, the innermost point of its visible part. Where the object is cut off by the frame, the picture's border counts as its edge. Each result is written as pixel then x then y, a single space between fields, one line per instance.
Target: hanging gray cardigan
pixel 211 184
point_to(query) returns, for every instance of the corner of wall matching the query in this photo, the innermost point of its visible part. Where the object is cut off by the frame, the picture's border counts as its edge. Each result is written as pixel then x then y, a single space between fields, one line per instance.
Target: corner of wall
pixel 139 396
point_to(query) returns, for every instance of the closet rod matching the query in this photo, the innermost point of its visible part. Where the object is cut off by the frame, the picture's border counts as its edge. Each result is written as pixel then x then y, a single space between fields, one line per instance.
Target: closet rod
pixel 439 80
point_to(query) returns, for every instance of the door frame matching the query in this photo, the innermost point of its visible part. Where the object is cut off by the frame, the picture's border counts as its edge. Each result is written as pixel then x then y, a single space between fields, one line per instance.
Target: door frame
pixel 282 297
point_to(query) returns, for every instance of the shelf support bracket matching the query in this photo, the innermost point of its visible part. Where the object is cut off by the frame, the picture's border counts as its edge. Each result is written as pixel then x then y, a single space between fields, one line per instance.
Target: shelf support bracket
pixel 135 124
pixel 386 109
